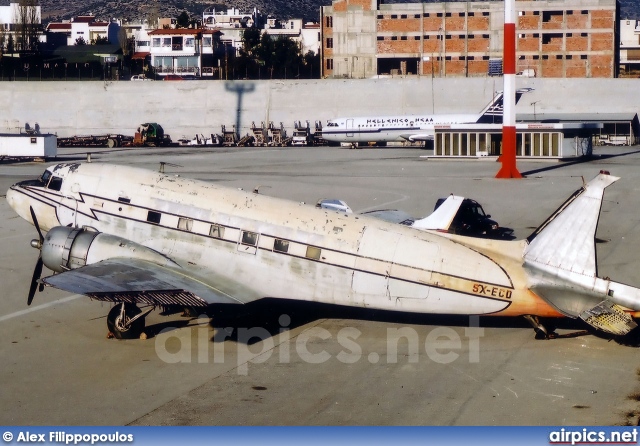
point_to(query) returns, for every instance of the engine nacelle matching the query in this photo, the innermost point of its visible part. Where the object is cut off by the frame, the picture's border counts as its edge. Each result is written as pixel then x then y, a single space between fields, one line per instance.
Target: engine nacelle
pixel 67 248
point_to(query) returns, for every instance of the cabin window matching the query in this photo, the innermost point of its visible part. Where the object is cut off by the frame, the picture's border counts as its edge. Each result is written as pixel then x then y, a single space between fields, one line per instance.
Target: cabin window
pixel 124 200
pixel 216 231
pixel 55 183
pixel 313 253
pixel 249 238
pixel 186 224
pixel 154 217
pixel 280 245
pixel 46 176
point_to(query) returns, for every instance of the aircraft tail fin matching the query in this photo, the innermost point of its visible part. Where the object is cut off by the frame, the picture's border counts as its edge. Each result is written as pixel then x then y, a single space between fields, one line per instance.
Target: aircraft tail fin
pixel 492 113
pixel 441 218
pixel 566 240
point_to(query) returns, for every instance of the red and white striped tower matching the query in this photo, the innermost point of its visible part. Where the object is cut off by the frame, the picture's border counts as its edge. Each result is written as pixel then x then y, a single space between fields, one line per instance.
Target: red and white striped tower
pixel 508 157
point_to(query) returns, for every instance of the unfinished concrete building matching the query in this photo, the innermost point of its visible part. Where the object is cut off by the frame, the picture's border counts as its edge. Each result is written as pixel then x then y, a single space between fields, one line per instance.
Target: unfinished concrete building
pixel 366 38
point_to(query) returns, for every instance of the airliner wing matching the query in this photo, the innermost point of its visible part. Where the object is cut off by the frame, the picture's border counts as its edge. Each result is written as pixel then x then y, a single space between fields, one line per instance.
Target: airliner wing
pixel 419 137
pixel 143 282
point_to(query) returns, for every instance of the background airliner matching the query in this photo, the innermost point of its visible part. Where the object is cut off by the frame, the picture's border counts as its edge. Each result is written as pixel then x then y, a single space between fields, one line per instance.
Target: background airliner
pixel 383 129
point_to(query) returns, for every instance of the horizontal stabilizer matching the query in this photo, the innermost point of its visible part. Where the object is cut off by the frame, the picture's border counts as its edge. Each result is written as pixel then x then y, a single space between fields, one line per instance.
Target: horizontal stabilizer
pixel 610 318
pixel 441 218
pixel 138 281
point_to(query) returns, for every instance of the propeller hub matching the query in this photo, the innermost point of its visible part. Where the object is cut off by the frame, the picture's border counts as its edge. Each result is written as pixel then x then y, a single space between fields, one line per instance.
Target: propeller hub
pixel 35 243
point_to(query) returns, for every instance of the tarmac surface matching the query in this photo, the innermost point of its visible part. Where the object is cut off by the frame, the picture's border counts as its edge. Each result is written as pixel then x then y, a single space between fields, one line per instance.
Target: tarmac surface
pixel 289 363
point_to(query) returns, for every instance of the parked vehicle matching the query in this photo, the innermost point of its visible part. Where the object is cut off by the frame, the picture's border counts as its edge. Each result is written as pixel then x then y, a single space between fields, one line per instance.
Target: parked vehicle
pixel 472 220
pixel 140 77
pixel 151 134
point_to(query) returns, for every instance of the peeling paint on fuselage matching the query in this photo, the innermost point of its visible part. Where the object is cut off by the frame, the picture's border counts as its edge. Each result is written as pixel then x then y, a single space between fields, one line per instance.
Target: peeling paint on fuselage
pixel 363 261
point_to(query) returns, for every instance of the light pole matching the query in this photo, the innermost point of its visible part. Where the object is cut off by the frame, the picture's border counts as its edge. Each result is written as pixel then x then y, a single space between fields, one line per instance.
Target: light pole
pixel 534 110
pixel 433 101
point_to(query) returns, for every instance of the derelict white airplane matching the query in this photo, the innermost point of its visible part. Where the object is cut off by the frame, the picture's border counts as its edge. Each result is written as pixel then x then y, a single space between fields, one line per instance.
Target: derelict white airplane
pixel 136 237
pixel 413 128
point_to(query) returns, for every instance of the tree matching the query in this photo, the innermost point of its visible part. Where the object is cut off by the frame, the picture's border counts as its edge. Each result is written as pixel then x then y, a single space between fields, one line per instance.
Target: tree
pixel 250 41
pixel 11 45
pixel 312 64
pixel 3 40
pixel 127 44
pixel 100 40
pixel 80 41
pixel 27 24
pixel 183 20
pixel 264 56
pixel 152 16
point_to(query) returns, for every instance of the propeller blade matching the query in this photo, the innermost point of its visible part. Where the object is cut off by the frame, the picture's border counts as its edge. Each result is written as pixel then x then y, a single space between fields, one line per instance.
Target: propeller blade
pixel 37 271
pixel 35 222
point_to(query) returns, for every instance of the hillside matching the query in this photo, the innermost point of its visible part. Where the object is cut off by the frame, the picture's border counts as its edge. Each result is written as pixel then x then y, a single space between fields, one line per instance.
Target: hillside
pixel 139 9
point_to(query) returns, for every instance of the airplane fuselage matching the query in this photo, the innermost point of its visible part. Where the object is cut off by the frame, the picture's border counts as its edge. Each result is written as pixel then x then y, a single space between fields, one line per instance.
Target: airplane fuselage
pixel 391 128
pixel 253 246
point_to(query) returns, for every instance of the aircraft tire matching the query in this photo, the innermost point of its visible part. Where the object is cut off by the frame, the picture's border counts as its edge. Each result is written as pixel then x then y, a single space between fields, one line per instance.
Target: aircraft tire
pixel 116 326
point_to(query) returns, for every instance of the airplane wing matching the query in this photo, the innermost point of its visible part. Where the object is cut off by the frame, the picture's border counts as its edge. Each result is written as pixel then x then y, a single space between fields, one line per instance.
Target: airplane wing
pixel 392 216
pixel 441 218
pixel 419 137
pixel 143 282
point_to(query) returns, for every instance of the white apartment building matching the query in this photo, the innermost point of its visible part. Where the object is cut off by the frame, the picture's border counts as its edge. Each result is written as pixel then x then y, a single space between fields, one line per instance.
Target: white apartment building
pixel 10 17
pixel 629 47
pixel 307 35
pixel 181 50
pixel 86 27
pixel 232 22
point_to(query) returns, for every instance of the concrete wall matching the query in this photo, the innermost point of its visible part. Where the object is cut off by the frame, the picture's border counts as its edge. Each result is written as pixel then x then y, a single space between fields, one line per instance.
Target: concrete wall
pixel 190 107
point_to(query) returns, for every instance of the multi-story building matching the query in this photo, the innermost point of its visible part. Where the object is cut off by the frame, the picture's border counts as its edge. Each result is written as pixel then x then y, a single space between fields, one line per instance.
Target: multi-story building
pixel 307 35
pixel 81 28
pixel 365 38
pixel 629 47
pixel 21 24
pixel 232 23
pixel 182 50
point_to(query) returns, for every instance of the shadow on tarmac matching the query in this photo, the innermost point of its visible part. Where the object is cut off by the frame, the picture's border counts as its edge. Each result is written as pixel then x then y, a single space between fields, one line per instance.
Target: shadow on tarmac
pixel 585 159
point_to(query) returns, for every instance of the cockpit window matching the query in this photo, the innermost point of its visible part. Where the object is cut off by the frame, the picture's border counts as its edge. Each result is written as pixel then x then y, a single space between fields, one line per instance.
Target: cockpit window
pixel 46 176
pixel 55 183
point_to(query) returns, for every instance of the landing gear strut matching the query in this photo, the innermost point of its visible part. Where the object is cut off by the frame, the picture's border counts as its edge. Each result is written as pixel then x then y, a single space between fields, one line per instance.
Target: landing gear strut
pixel 542 331
pixel 126 321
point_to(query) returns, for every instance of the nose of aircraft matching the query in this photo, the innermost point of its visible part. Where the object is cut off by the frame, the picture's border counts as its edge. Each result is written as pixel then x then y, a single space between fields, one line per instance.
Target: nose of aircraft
pixel 18 203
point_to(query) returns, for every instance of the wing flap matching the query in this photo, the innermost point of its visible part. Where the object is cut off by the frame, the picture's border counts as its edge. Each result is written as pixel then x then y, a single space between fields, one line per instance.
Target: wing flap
pixel 139 281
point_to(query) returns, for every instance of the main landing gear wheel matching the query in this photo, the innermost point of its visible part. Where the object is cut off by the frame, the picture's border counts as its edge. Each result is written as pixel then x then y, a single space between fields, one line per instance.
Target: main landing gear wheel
pixel 546 331
pixel 126 321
